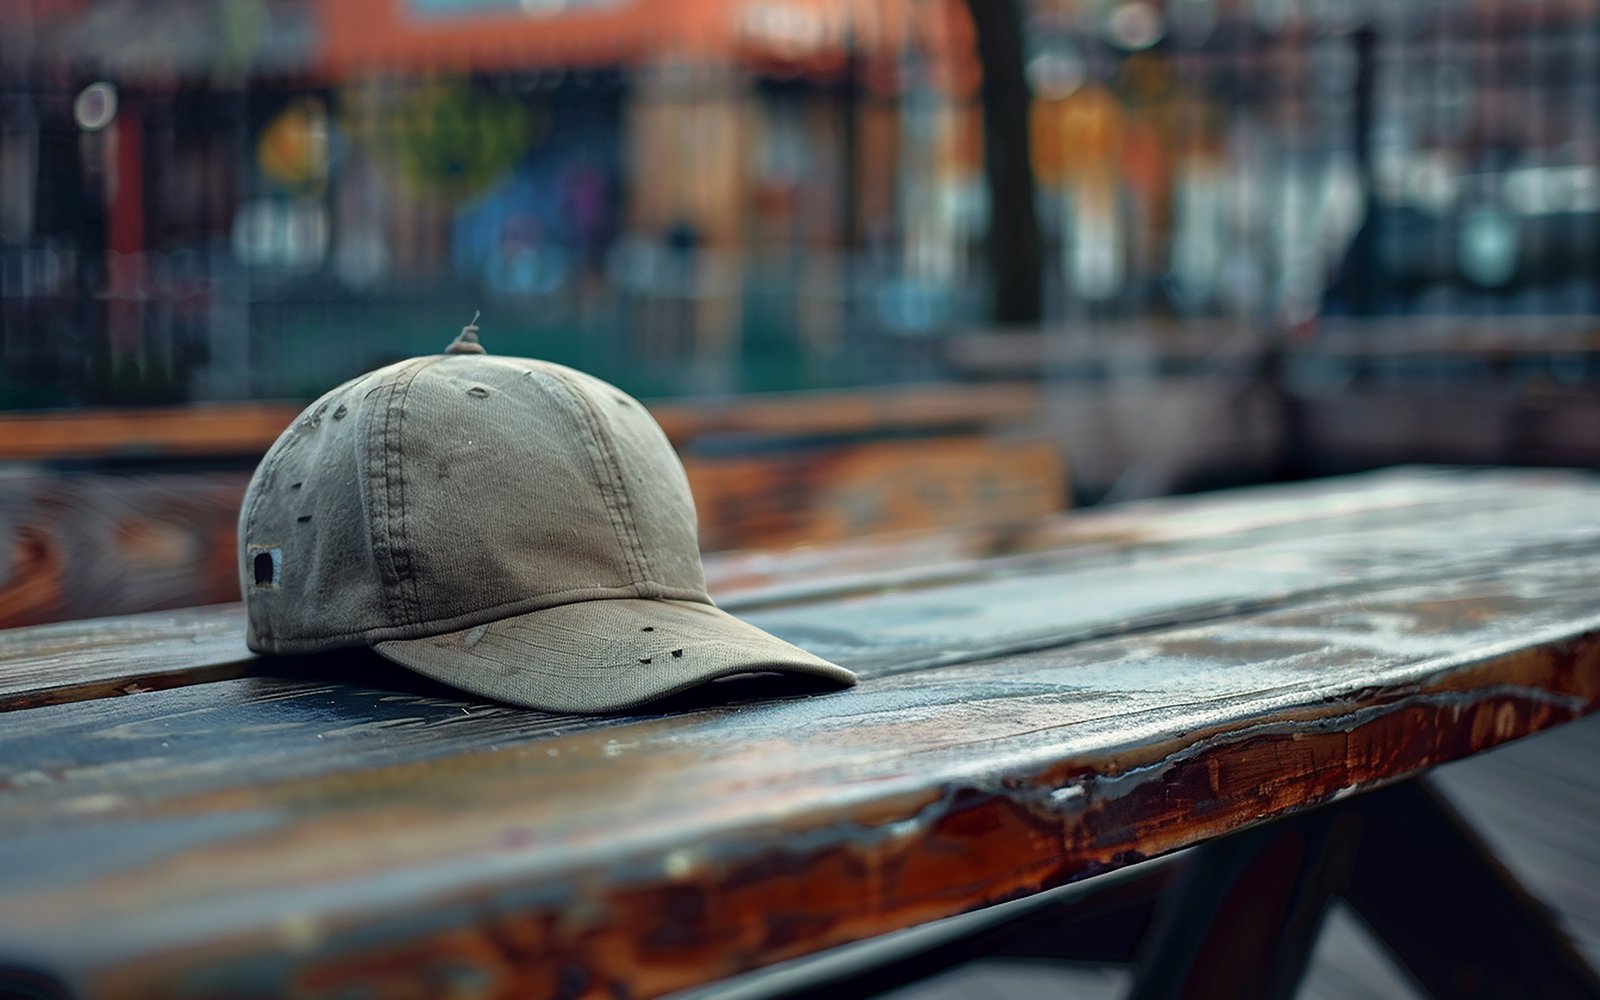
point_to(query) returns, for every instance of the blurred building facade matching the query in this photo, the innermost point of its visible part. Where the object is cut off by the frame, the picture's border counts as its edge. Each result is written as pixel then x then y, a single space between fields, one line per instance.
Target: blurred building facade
pixel 259 198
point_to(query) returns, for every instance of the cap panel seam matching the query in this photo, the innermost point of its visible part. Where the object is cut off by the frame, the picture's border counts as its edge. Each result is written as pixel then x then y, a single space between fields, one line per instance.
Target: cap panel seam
pixel 621 520
pixel 628 533
pixel 388 509
pixel 377 507
pixel 394 445
pixel 268 471
pixel 265 476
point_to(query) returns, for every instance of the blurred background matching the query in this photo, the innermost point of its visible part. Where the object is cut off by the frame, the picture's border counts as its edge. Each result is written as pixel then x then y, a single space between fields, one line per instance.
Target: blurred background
pixel 875 264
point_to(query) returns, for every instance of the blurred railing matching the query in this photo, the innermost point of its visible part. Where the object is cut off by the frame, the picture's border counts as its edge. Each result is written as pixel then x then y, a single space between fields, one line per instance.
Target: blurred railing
pixel 203 327
pixel 749 221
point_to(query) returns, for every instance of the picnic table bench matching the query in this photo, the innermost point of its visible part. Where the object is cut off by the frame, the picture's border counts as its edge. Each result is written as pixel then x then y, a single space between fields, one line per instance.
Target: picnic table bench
pixel 1254 675
pixel 119 511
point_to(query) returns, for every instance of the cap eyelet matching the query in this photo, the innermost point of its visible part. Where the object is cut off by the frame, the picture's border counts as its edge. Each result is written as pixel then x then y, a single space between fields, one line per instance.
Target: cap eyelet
pixel 266 567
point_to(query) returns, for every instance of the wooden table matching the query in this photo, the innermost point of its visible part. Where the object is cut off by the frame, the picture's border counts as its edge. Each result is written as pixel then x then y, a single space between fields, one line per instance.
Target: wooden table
pixel 1039 705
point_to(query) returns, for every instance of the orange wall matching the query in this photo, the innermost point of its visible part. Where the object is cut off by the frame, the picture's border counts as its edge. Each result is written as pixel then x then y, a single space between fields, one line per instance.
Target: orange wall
pixel 377 35
pixel 373 35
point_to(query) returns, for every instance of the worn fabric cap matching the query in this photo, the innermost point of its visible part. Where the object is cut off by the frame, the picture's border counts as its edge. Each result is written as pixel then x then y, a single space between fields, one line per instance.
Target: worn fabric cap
pixel 514 528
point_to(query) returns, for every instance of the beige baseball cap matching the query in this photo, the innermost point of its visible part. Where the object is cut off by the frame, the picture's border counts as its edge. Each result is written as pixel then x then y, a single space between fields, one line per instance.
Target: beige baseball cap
pixel 514 528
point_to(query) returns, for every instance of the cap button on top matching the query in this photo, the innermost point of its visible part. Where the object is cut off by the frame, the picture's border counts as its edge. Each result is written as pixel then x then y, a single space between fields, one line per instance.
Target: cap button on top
pixel 467 341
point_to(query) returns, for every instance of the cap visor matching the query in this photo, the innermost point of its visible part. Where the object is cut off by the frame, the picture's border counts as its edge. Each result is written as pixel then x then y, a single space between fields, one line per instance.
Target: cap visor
pixel 603 656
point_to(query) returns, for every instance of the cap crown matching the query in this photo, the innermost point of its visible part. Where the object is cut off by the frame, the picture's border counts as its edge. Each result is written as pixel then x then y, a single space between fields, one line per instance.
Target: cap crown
pixel 448 491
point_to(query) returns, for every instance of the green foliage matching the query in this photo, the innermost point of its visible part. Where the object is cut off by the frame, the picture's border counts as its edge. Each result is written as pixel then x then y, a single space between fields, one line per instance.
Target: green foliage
pixel 452 142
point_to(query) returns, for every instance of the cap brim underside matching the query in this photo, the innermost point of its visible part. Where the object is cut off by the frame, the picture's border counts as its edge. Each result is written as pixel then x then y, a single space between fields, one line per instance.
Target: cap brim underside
pixel 604 656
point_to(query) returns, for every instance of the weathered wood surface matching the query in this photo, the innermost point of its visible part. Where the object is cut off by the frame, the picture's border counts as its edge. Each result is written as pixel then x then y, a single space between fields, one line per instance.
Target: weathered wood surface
pixel 1537 803
pixel 1138 567
pixel 833 492
pixel 207 429
pixel 89 546
pixel 335 827
pixel 850 411
pixel 106 657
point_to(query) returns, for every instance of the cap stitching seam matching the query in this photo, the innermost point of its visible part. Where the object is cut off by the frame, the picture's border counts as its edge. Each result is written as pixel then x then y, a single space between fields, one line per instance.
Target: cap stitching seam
pixel 500 611
pixel 646 569
pixel 612 514
pixel 378 526
pixel 397 402
pixel 629 532
pixel 636 570
pixel 393 506
pixel 268 471
pixel 270 464
pixel 624 520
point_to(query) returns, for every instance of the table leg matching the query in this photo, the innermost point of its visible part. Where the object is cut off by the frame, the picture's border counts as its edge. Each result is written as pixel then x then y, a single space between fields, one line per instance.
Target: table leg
pixel 1245 911
pixel 1447 909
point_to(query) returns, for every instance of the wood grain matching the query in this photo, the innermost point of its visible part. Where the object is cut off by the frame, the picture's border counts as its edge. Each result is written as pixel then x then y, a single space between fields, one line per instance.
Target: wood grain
pixel 879 410
pixel 1148 564
pixel 188 431
pixel 833 492
pixel 1220 520
pixel 644 854
pixel 337 829
pixel 107 657
pixel 92 545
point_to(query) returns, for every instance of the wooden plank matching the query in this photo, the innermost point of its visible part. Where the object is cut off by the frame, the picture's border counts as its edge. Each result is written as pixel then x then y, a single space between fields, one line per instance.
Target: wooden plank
pixel 87 544
pixel 187 431
pixel 83 546
pixel 230 429
pixel 1135 532
pixel 825 494
pixel 46 665
pixel 851 412
pixel 1150 564
pixel 107 657
pixel 133 543
pixel 96 545
pixel 643 854
pixel 92 545
pixel 878 635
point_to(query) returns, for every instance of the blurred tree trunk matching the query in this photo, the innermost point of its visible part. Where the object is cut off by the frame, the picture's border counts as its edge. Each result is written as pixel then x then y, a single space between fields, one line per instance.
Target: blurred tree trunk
pixel 1014 252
